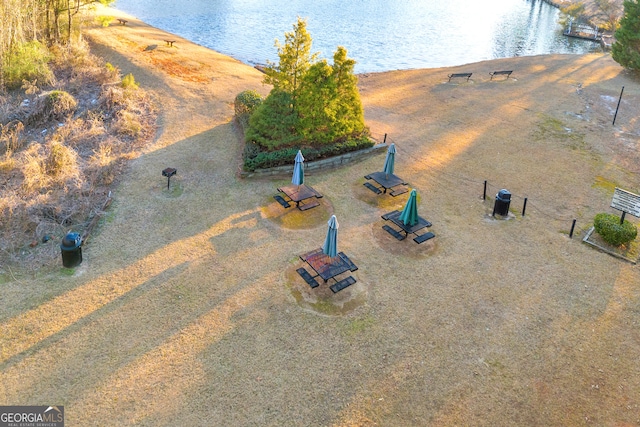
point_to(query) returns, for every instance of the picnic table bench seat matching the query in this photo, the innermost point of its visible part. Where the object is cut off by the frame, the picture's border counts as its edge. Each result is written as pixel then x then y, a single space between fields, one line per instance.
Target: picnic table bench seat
pixel 393 232
pixel 372 187
pixel 304 205
pixel 338 286
pixel 282 201
pixel 424 237
pixel 308 278
pixel 122 21
pixel 399 190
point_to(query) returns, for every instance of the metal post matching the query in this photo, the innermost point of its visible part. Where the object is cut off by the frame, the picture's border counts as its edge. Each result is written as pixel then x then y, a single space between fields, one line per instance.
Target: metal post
pixel 622 217
pixel 524 207
pixel 384 141
pixel 619 99
pixel 572 228
pixel 484 194
pixel 168 181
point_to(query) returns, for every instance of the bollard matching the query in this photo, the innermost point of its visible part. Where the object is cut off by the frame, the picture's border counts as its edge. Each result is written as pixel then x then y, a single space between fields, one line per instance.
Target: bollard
pixel 572 227
pixel 524 207
pixel 484 193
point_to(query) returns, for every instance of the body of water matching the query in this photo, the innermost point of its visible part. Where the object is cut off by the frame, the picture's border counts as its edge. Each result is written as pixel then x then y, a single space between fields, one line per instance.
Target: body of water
pixel 381 35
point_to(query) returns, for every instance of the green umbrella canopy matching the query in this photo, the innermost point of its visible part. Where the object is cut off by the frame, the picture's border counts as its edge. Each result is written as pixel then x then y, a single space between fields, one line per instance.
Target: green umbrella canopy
pixel 409 215
pixel 330 246
pixel 390 160
pixel 298 172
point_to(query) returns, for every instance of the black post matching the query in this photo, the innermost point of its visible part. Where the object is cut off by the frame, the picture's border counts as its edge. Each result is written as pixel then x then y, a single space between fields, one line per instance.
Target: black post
pixel 168 181
pixel 384 141
pixel 524 207
pixel 622 217
pixel 572 227
pixel 619 99
pixel 484 194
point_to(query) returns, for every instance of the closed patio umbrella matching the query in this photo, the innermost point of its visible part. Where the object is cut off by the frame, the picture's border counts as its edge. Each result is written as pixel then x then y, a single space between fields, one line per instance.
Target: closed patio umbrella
pixel 298 172
pixel 409 215
pixel 330 246
pixel 389 160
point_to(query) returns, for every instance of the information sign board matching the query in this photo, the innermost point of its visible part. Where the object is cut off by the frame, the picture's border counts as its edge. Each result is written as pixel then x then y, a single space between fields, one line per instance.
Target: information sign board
pixel 626 202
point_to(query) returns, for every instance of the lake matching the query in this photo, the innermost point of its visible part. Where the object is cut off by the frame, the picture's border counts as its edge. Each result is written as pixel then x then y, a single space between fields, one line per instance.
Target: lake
pixel 381 35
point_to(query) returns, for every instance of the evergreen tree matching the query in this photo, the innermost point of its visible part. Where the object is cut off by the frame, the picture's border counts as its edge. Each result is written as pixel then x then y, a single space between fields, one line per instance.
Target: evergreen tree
pixel 312 103
pixel 316 103
pixel 626 50
pixel 274 123
pixel 295 59
pixel 349 112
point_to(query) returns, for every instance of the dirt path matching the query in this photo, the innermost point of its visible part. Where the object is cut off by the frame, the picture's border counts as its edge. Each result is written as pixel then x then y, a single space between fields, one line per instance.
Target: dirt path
pixel 187 309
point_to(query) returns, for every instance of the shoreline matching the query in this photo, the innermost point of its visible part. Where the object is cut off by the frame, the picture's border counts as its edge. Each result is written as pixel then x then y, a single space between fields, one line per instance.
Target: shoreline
pixel 113 10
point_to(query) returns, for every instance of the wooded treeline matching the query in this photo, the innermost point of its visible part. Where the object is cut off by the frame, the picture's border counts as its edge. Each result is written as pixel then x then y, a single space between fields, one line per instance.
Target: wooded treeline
pixel 32 22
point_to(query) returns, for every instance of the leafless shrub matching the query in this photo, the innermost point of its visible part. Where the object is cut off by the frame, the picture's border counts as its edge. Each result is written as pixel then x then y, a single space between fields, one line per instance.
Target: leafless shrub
pixel 11 137
pixel 127 124
pixel 64 174
pixel 34 170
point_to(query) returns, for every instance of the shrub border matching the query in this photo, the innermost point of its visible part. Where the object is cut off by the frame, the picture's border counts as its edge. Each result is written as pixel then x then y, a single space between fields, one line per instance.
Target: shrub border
pixel 317 165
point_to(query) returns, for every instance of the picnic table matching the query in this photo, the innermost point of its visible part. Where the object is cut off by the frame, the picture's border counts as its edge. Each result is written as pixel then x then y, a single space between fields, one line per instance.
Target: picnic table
pixel 386 182
pixel 394 217
pixel 303 195
pixel 327 268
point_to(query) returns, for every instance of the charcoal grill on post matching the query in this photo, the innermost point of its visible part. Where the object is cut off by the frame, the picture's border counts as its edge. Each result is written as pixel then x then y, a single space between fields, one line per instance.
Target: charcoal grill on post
pixel 169 172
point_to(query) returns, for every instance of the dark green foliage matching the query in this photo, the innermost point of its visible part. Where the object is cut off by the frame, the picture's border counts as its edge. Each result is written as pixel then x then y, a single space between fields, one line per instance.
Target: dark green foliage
pixel 274 123
pixel 254 158
pixel 245 104
pixel 609 228
pixel 626 50
pixel 312 103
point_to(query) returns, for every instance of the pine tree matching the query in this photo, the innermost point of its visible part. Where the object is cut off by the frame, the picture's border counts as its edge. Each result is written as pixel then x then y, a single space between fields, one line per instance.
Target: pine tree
pixel 312 103
pixel 626 50
pixel 295 59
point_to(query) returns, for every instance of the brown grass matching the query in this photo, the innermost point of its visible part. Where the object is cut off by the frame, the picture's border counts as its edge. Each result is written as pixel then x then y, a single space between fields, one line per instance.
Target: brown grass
pixel 187 309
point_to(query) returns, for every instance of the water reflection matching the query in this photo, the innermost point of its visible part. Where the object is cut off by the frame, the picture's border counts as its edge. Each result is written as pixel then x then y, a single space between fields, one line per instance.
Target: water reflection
pixel 380 35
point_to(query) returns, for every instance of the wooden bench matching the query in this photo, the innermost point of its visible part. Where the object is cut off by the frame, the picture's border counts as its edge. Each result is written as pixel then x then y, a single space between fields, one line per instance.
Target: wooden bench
pixel 170 42
pixel 282 201
pixel 424 237
pixel 308 278
pixel 342 284
pixel 122 21
pixel 372 187
pixel 500 73
pixel 467 75
pixel 393 232
pixel 399 190
pixel 303 206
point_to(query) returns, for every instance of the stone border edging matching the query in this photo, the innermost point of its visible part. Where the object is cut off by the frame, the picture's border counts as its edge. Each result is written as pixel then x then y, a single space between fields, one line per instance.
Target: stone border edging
pixel 318 165
pixel 602 248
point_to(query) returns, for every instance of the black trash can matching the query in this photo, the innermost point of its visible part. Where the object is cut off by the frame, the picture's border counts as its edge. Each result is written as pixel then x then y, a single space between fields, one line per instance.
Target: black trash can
pixel 71 250
pixel 503 200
